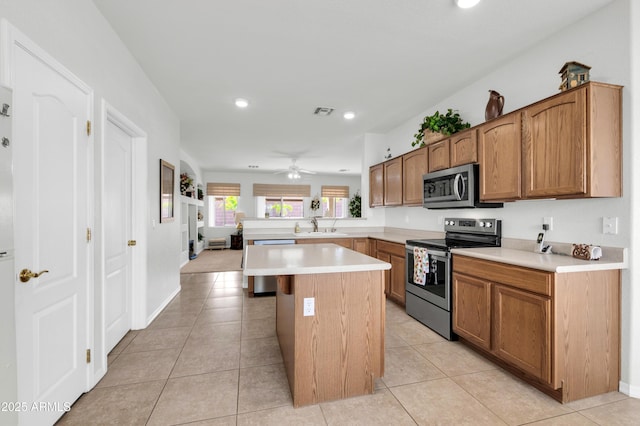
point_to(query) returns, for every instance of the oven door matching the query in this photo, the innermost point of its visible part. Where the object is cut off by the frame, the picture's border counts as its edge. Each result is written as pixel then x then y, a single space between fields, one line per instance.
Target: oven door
pixel 437 280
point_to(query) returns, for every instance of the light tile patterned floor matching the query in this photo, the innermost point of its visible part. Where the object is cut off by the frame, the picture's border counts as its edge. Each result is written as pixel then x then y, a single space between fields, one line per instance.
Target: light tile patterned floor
pixel 212 358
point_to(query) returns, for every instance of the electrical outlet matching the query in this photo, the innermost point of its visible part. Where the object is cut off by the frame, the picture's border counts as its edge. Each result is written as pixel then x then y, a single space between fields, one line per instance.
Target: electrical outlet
pixel 609 225
pixel 549 222
pixel 309 308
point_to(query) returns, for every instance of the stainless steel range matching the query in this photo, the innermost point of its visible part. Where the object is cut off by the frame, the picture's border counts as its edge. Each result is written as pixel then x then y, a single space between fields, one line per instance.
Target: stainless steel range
pixel 429 269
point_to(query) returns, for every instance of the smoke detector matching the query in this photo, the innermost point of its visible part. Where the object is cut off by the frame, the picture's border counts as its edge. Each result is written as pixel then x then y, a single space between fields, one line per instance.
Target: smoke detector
pixel 323 111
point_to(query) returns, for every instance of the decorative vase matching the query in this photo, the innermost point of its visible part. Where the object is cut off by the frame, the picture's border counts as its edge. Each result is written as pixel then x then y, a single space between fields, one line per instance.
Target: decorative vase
pixel 430 136
pixel 494 106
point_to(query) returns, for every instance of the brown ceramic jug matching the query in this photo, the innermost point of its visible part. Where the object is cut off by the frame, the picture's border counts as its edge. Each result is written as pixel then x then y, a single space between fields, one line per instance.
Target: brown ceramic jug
pixel 494 106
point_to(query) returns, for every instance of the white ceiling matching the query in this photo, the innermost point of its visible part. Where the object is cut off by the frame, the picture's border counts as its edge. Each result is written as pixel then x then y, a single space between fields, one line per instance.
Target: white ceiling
pixel 385 60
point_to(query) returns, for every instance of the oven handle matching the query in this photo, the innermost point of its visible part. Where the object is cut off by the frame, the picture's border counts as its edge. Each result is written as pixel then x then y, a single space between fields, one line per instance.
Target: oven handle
pixel 430 251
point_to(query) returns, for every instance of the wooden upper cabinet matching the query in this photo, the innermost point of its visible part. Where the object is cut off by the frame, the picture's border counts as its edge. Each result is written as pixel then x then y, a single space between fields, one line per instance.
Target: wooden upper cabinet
pixel 572 144
pixel 393 182
pixel 414 165
pixel 463 148
pixel 376 185
pixel 439 155
pixel 499 152
pixel 554 141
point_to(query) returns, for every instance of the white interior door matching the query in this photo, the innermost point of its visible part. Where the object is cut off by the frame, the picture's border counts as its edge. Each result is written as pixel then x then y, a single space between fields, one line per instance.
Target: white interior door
pixel 117 233
pixel 51 182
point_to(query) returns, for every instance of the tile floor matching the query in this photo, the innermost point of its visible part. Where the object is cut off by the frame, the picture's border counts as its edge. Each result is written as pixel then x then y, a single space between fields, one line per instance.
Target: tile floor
pixel 212 358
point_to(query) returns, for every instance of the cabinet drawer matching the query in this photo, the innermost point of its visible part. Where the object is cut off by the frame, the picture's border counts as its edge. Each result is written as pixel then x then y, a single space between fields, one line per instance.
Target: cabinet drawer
pixel 515 276
pixel 391 248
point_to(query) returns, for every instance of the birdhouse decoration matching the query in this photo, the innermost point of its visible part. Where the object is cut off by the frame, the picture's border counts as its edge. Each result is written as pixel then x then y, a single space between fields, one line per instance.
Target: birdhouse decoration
pixel 573 75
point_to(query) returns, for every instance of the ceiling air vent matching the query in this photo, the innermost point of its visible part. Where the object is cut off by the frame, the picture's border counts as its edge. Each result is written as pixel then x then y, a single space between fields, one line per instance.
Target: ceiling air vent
pixel 323 111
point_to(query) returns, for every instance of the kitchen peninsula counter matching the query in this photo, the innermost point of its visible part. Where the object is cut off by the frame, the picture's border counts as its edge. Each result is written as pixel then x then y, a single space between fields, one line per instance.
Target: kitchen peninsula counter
pixel 330 311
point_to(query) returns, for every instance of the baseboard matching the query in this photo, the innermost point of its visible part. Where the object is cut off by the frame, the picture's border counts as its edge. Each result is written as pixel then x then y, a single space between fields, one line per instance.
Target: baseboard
pixel 163 305
pixel 631 390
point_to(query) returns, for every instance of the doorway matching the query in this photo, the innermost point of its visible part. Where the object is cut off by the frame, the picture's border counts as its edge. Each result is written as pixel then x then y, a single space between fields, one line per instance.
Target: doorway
pixel 122 274
pixel 52 150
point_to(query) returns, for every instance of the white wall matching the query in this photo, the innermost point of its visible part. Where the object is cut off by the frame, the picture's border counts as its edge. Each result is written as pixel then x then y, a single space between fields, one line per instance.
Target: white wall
pixel 76 34
pixel 602 41
pixel 631 292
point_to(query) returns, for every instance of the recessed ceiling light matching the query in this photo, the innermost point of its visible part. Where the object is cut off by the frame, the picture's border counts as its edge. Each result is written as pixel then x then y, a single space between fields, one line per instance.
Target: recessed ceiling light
pixel 466 4
pixel 349 115
pixel 242 103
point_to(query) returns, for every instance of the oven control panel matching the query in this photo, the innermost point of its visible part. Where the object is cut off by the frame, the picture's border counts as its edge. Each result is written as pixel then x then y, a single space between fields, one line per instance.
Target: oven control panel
pixel 474 226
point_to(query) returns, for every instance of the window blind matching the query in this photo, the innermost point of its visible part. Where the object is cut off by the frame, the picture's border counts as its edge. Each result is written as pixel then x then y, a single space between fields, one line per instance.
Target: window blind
pixel 335 191
pixel 223 189
pixel 275 190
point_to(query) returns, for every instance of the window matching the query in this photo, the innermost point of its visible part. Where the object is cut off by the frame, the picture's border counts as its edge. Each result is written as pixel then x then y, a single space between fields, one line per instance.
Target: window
pixel 284 207
pixel 335 201
pixel 222 203
pixel 334 206
pixel 222 210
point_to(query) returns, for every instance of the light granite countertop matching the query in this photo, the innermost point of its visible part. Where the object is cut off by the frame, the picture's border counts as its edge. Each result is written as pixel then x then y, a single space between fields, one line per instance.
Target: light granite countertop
pixel 298 259
pixel 394 235
pixel 513 251
pixel 613 258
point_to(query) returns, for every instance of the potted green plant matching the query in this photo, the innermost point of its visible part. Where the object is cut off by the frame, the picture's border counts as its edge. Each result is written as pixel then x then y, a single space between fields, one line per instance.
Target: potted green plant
pixel 444 124
pixel 355 205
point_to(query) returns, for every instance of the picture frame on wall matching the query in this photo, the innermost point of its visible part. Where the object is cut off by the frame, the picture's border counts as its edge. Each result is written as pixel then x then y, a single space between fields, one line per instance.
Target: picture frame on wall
pixel 167 189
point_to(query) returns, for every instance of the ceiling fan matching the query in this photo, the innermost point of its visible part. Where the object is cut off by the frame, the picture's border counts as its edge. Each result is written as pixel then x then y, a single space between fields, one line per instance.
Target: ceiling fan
pixel 294 172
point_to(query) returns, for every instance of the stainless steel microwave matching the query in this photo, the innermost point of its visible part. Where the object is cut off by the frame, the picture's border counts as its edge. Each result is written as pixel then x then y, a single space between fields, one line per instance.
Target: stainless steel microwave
pixel 453 188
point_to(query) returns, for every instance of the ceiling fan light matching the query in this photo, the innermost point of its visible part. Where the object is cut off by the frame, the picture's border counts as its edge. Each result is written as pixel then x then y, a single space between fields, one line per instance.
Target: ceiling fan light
pixel 466 4
pixel 242 103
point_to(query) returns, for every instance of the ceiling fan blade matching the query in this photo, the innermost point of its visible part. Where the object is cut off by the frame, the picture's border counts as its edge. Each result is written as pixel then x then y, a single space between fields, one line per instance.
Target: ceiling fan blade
pixel 307 171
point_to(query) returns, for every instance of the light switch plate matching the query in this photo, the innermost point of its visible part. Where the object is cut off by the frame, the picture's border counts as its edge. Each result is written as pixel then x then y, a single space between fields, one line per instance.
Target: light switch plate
pixel 309 307
pixel 609 225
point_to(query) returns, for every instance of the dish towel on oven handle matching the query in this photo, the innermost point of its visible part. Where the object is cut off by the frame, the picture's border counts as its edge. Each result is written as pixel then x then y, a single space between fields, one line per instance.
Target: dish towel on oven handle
pixel 420 265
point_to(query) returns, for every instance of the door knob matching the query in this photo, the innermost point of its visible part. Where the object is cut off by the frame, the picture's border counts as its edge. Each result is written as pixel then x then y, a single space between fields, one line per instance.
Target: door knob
pixel 26 274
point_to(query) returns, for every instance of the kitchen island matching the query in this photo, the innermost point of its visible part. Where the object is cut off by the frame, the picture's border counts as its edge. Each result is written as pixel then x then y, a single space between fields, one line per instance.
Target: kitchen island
pixel 330 312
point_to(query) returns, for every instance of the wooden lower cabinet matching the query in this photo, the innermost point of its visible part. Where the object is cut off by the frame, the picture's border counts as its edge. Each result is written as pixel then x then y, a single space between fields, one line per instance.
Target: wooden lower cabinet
pixel 344 242
pixel 558 331
pixel 472 316
pixel 394 254
pixel 522 330
pixel 361 245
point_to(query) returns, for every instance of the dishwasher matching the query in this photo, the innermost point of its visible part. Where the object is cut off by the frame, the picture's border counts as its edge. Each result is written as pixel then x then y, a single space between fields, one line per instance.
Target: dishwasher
pixel 266 285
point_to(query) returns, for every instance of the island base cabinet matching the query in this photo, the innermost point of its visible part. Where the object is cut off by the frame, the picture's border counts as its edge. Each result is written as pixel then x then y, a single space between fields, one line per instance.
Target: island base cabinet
pixel 335 349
